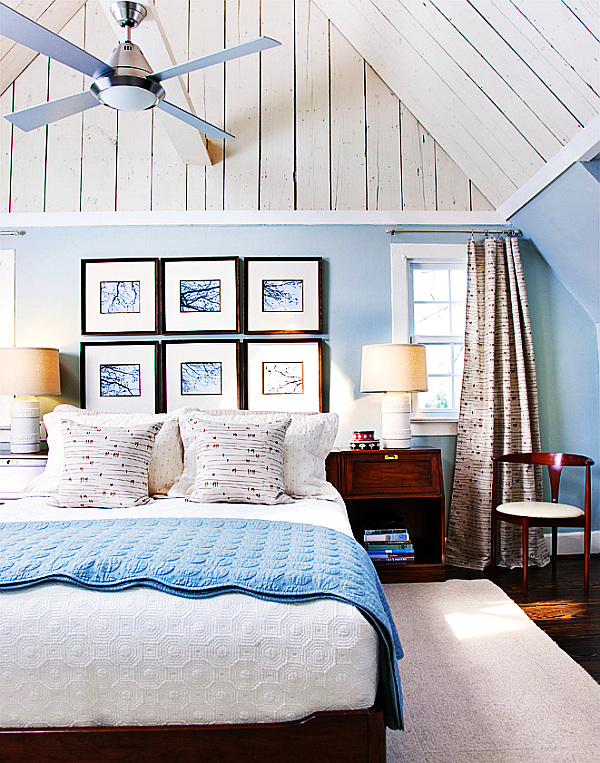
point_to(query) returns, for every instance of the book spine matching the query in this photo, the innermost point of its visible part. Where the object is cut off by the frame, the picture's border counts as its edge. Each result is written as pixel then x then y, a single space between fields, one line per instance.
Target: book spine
pixel 386 537
pixel 399 546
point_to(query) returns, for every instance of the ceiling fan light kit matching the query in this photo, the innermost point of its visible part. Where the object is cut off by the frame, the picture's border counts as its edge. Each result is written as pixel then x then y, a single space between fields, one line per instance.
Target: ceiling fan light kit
pixel 125 82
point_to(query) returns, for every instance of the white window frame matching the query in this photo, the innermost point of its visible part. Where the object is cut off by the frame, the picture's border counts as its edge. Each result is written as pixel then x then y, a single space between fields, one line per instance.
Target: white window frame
pixel 438 423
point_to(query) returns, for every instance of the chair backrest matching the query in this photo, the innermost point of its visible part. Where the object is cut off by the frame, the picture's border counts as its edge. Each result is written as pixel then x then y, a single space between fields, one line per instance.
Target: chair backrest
pixel 554 462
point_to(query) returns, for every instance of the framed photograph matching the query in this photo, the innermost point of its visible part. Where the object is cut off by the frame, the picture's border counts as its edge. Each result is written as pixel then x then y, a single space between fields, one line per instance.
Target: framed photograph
pixel 119 296
pixel 119 376
pixel 283 375
pixel 201 374
pixel 283 296
pixel 201 295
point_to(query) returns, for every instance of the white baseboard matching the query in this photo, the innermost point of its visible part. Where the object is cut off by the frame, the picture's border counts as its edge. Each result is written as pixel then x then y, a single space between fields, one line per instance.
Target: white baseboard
pixel 572 542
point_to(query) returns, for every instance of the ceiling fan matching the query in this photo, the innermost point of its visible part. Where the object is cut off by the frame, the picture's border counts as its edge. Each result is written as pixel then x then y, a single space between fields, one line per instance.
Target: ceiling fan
pixel 125 82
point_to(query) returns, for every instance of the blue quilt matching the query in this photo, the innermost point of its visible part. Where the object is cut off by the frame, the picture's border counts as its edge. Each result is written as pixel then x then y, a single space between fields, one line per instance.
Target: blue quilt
pixel 281 561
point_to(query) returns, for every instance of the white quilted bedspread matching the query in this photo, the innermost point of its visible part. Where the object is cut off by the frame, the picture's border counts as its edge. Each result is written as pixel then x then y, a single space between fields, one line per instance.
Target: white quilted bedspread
pixel 69 656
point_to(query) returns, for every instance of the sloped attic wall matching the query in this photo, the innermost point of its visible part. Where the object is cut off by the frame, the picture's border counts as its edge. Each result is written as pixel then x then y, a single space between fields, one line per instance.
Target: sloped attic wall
pixel 315 127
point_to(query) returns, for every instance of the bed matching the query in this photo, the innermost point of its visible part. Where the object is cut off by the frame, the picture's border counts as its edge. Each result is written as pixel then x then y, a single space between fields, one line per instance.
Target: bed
pixel 124 654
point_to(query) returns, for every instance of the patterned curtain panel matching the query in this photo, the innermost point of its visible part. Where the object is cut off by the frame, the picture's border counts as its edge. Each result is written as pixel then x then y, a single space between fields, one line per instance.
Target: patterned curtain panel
pixel 498 409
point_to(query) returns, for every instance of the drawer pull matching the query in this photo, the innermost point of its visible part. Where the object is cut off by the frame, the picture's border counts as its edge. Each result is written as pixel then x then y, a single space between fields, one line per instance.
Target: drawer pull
pixel 391 457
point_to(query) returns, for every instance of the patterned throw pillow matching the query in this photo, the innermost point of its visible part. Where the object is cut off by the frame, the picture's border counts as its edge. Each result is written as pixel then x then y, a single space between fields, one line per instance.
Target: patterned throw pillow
pixel 308 440
pixel 105 468
pixel 238 463
pixel 167 456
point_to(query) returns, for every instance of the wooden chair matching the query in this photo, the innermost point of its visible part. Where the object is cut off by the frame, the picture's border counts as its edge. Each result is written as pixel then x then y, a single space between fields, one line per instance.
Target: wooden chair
pixel 541 513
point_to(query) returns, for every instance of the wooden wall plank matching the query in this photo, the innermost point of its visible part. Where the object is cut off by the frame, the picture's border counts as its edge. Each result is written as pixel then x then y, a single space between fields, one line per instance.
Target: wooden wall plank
pixel 383 145
pixel 277 154
pixel 242 108
pixel 99 150
pixel 169 173
pixel 6 129
pixel 499 137
pixel 419 85
pixel 63 149
pixel 452 185
pixel 312 107
pixel 134 161
pixel 348 149
pixel 207 90
pixel 505 91
pixel 478 201
pixel 29 148
pixel 418 164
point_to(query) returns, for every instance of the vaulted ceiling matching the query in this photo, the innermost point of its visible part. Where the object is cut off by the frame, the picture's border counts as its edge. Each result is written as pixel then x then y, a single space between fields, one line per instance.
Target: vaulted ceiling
pixel 501 85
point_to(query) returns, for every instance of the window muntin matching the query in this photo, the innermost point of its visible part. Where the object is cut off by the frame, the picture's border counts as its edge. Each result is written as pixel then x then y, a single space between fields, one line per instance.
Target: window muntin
pixel 437 294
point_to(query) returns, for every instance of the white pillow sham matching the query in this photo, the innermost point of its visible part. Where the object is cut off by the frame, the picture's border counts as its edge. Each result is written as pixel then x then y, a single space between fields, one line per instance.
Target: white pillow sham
pixel 238 463
pixel 167 457
pixel 308 441
pixel 105 467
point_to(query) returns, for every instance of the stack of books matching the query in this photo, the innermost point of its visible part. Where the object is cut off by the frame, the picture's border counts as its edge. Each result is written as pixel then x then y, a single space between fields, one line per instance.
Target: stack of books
pixel 389 545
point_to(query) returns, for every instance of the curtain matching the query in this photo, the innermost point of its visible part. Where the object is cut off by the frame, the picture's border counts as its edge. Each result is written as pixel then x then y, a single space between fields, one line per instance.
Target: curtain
pixel 498 409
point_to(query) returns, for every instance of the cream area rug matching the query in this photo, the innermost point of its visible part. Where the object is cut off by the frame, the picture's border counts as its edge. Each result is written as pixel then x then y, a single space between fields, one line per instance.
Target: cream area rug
pixel 483 684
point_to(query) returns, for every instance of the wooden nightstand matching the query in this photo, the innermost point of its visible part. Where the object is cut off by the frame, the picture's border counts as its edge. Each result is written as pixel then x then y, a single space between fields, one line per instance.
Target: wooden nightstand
pixel 18 469
pixel 404 486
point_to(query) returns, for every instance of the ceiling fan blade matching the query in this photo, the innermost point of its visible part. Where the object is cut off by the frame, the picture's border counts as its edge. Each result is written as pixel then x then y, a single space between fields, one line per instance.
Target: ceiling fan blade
pixel 31 34
pixel 37 116
pixel 236 51
pixel 194 121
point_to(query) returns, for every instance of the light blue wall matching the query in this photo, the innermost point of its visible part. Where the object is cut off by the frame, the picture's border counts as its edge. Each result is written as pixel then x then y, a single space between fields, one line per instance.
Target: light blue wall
pixel 562 270
pixel 357 311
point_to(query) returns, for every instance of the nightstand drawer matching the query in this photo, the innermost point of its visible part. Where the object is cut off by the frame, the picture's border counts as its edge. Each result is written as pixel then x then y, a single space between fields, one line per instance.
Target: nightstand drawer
pixel 16 472
pixel 391 474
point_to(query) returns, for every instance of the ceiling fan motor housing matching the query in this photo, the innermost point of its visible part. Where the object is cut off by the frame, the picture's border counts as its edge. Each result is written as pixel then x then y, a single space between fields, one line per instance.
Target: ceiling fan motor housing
pixel 128 88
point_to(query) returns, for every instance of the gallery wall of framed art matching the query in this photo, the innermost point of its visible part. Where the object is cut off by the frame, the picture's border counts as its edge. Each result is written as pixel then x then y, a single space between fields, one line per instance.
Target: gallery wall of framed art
pixel 194 303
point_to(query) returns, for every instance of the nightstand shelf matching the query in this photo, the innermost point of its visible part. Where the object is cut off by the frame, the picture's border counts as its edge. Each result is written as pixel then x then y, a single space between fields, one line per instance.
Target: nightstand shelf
pixel 401 487
pixel 18 469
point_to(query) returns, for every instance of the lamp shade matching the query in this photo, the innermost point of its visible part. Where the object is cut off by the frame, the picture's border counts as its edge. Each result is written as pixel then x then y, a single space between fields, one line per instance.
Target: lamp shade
pixel 393 368
pixel 29 371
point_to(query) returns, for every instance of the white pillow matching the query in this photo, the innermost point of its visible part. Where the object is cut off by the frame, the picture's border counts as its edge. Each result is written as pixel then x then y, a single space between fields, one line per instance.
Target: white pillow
pixel 238 463
pixel 308 441
pixel 167 457
pixel 105 468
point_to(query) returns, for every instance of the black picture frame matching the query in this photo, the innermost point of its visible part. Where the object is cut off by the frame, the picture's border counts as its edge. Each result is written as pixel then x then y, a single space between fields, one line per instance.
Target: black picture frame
pixel 120 376
pixel 200 295
pixel 120 296
pixel 283 295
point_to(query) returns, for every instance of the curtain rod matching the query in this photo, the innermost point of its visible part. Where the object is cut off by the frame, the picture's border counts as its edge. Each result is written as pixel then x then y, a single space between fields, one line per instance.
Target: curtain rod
pixel 475 229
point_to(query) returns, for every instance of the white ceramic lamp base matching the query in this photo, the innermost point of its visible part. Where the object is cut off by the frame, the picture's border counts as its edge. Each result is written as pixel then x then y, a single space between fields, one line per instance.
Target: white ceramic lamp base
pixel 25 426
pixel 395 420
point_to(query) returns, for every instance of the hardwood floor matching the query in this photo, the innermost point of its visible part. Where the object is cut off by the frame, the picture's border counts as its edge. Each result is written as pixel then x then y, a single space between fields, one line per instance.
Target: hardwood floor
pixel 559 607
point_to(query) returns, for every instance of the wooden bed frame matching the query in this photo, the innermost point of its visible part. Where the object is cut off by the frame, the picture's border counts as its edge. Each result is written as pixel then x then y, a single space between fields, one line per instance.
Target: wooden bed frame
pixel 337 736
pixel 328 737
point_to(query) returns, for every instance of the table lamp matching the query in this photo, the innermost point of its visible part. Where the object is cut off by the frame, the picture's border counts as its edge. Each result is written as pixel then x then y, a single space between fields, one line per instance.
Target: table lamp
pixel 397 370
pixel 27 371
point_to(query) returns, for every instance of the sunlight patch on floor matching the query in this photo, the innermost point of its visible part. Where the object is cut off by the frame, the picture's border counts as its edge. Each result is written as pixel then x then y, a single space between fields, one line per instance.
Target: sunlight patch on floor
pixel 497 619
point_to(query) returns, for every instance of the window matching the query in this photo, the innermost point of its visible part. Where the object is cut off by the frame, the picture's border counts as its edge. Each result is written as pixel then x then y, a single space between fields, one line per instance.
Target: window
pixel 429 285
pixel 437 319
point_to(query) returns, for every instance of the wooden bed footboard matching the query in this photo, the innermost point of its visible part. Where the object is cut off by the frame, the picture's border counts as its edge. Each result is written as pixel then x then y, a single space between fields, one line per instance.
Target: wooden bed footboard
pixel 327 737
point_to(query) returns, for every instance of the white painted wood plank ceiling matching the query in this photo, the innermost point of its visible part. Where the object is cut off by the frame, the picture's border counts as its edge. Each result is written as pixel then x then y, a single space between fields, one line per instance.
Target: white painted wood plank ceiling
pixel 501 85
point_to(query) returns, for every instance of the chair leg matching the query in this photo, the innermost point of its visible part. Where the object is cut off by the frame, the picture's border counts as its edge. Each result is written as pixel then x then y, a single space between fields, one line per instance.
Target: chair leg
pixel 587 542
pixel 554 550
pixel 525 553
